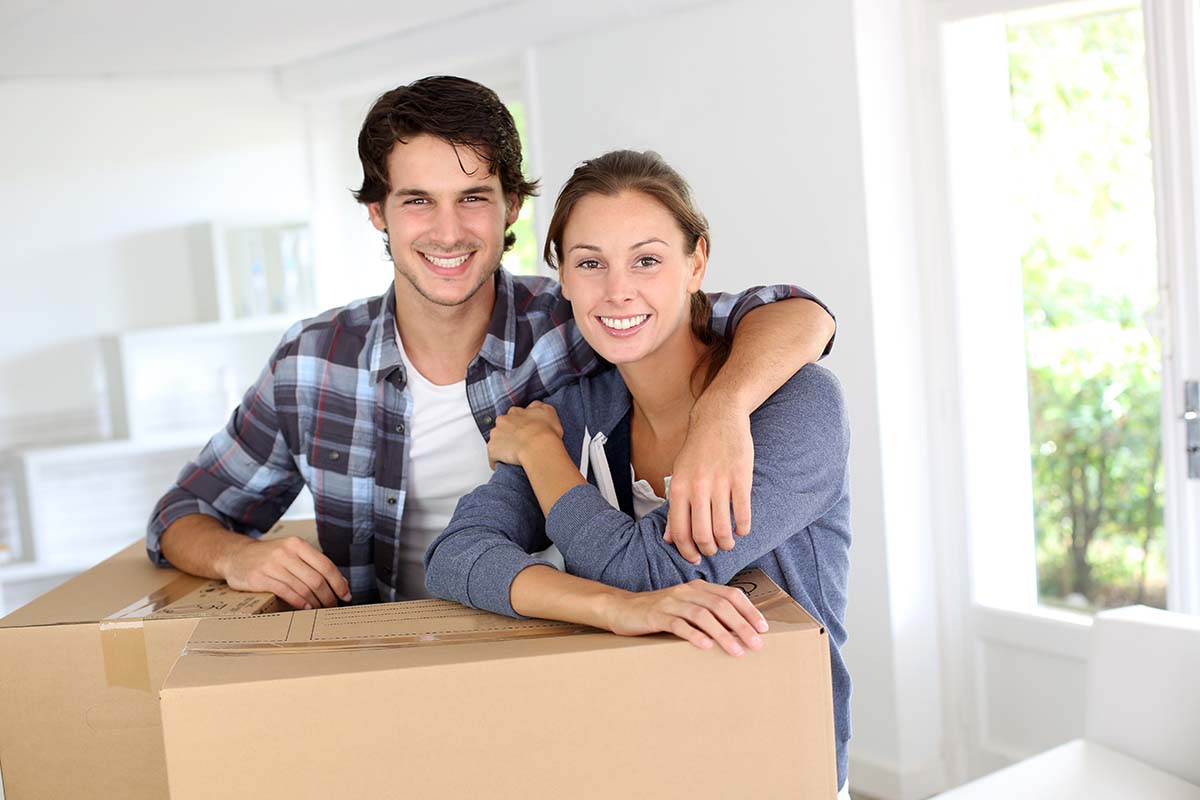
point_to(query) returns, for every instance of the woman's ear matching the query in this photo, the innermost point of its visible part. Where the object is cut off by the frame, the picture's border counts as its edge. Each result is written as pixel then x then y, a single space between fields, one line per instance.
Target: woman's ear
pixel 564 283
pixel 698 261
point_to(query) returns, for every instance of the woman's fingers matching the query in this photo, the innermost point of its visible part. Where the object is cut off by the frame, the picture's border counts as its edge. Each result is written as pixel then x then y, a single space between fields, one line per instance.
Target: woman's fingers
pixel 722 614
pixel 735 621
pixel 681 628
pixel 702 618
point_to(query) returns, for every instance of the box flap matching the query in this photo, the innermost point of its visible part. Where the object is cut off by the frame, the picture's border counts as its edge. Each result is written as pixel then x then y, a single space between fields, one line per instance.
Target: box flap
pixel 113 584
pixel 128 587
pixel 426 622
pixel 358 638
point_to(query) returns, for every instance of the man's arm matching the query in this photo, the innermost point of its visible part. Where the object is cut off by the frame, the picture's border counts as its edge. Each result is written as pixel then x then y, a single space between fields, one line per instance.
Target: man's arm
pixel 243 479
pixel 713 469
pixel 290 568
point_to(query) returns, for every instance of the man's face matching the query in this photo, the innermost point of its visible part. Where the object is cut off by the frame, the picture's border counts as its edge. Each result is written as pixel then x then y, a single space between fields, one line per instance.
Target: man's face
pixel 445 218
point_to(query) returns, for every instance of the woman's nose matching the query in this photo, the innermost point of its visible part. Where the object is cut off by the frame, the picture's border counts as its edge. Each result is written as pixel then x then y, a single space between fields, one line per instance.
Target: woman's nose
pixel 619 286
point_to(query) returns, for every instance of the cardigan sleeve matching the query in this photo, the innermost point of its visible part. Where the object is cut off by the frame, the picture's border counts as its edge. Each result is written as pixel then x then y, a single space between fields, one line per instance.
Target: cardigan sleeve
pixel 801 448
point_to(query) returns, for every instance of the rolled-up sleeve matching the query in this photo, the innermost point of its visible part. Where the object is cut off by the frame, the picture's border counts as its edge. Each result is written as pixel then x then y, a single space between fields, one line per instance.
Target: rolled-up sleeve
pixel 729 309
pixel 245 477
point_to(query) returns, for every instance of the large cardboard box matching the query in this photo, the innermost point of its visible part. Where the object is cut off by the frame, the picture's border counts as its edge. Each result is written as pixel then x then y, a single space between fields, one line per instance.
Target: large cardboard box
pixel 80 670
pixel 431 699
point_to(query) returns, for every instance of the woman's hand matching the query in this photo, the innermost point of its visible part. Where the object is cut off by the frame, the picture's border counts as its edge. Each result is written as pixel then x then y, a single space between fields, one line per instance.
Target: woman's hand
pixel 698 611
pixel 522 431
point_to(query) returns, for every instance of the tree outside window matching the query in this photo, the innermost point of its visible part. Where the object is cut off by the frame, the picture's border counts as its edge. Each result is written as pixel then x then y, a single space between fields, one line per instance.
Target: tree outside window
pixel 1089 268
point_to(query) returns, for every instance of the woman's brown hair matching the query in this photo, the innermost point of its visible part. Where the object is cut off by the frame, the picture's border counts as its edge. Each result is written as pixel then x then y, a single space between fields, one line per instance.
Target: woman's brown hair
pixel 645 172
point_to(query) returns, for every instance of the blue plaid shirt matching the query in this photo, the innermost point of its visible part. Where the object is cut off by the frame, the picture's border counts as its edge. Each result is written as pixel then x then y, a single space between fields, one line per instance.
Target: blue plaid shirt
pixel 331 410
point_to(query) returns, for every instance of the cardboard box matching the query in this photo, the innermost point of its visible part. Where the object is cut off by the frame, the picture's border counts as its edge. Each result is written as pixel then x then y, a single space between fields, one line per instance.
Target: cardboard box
pixel 431 699
pixel 80 670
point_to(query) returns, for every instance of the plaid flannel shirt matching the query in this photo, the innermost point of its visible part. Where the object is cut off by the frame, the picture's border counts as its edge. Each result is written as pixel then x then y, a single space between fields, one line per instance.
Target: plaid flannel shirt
pixel 331 410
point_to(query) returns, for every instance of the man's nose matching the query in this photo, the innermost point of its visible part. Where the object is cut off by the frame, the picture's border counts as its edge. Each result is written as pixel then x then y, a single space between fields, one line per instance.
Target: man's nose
pixel 447 225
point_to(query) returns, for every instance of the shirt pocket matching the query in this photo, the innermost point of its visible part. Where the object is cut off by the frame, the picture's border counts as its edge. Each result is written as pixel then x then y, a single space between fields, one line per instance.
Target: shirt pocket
pixel 341 477
pixel 339 458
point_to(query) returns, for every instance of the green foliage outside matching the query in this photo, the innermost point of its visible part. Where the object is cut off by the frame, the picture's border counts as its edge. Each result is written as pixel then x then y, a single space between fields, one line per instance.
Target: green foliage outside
pixel 524 257
pixel 1086 202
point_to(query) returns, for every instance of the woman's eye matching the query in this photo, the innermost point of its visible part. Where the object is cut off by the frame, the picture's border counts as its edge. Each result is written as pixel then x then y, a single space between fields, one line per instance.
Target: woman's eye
pixel 589 263
pixel 647 261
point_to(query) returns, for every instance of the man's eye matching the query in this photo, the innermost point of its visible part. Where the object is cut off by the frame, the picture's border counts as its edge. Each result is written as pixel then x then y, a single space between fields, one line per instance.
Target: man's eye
pixel 474 199
pixel 648 261
pixel 416 201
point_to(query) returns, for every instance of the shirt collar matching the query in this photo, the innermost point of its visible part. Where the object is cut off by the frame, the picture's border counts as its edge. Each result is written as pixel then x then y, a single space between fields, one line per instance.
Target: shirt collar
pixel 499 344
pixel 385 355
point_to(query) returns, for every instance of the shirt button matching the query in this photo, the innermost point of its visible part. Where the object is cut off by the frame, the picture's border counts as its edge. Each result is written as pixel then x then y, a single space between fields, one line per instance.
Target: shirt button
pixel 391 501
pixel 334 456
pixel 488 419
pixel 400 428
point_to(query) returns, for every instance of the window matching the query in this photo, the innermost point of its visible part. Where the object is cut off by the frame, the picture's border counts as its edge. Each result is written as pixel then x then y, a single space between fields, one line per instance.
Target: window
pixel 524 257
pixel 1072 264
pixel 1085 224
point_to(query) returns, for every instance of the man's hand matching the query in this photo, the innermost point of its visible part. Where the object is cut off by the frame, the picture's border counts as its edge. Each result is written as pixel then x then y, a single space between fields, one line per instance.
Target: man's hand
pixel 698 612
pixel 290 568
pixel 519 431
pixel 712 472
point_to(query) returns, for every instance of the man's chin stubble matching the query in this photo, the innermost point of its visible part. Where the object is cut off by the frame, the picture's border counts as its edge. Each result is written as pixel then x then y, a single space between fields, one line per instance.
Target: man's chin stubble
pixel 483 279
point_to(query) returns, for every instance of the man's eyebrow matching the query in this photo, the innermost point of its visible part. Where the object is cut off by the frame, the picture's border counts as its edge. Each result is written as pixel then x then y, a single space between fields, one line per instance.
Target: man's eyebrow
pixel 479 190
pixel 405 191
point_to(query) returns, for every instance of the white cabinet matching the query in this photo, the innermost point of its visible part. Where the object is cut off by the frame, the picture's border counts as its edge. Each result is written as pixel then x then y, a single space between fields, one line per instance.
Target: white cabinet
pixel 66 504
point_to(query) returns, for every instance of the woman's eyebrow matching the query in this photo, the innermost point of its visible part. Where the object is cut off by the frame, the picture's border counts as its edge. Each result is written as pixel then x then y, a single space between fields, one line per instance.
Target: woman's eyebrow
pixel 634 246
pixel 646 242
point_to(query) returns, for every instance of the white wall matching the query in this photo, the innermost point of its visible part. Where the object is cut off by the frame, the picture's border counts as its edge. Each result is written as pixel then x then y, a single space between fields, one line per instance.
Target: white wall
pixel 98 179
pixel 758 104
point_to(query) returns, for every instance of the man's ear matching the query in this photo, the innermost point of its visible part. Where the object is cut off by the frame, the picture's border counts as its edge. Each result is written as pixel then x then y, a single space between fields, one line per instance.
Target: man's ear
pixel 512 203
pixel 375 210
pixel 699 264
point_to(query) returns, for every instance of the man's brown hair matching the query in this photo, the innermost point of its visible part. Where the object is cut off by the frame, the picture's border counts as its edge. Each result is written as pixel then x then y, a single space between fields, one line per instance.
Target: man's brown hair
pixel 461 113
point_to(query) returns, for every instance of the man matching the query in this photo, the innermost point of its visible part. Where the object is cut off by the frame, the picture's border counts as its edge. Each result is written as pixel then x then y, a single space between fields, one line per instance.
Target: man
pixel 382 408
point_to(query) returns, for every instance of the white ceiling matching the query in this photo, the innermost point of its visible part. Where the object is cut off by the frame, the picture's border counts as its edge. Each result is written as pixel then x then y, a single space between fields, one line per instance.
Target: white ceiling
pixel 76 38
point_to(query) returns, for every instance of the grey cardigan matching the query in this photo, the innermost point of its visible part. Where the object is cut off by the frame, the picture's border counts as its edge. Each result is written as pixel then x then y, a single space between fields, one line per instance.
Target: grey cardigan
pixel 800 501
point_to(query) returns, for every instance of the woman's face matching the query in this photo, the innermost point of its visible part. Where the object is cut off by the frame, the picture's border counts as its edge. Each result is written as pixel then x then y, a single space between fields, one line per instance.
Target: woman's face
pixel 628 276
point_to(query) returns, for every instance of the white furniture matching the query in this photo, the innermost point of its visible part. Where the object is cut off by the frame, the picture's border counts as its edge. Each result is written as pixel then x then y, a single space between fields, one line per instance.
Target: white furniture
pixel 71 494
pixel 1142 734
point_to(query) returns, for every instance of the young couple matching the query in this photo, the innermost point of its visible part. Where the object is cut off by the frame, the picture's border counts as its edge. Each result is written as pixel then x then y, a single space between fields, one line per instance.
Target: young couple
pixel 391 409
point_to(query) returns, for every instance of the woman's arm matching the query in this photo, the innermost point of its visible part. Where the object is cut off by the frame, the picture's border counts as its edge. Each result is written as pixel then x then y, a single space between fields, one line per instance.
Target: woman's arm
pixel 698 612
pixel 801 441
pixel 487 543
pixel 482 560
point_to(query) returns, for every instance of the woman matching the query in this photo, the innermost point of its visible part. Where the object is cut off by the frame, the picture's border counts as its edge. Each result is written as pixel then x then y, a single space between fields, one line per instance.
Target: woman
pixel 588 469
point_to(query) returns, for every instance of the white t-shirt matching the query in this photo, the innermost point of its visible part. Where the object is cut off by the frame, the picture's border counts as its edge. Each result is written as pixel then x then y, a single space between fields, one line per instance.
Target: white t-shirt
pixel 447 458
